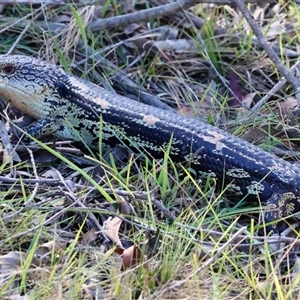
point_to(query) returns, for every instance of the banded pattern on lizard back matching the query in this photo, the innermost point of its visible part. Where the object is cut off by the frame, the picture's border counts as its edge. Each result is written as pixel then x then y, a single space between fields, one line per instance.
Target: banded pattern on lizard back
pixel 79 110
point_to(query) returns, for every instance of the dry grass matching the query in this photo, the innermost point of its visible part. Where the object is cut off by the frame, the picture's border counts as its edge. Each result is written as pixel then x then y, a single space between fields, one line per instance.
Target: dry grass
pixel 171 57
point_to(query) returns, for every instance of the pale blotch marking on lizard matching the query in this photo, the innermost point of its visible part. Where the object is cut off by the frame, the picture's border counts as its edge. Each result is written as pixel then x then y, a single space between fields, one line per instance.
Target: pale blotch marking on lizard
pixel 237 173
pixel 80 85
pixel 235 189
pixel 215 138
pixel 103 103
pixel 282 173
pixel 255 188
pixel 150 120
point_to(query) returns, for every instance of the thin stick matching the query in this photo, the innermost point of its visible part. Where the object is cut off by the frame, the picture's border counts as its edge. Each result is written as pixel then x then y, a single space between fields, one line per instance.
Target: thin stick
pixel 208 263
pixel 155 12
pixel 271 53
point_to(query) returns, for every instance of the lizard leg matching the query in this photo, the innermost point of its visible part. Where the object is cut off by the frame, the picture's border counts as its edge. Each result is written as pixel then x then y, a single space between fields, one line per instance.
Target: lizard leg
pixel 280 206
pixel 43 127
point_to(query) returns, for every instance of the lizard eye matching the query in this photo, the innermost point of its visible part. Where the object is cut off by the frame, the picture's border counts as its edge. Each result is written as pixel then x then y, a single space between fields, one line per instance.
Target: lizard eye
pixel 8 69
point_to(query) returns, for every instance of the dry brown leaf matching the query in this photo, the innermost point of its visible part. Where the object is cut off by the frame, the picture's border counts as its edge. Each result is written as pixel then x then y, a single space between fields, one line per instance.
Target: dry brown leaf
pixel 9 265
pixel 254 135
pixel 49 247
pixel 131 257
pixel 51 173
pixel 61 18
pixel 289 104
pixel 89 237
pixel 180 45
pixel 44 156
pixel 13 259
pixel 111 230
pixel 276 28
pixel 197 108
pixel 130 28
pixel 247 101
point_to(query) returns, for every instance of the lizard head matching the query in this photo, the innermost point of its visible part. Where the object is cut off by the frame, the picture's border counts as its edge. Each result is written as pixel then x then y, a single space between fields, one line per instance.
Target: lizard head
pixel 27 83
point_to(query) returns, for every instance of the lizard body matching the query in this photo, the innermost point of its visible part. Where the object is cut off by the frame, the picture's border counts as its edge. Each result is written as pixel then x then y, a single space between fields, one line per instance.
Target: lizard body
pixel 76 109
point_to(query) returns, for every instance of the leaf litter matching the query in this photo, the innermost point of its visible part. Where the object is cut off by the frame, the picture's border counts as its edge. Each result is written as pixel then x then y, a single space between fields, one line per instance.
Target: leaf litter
pixel 163 56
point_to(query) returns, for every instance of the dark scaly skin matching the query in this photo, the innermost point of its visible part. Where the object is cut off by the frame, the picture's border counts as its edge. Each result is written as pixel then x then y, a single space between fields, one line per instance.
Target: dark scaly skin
pixel 76 109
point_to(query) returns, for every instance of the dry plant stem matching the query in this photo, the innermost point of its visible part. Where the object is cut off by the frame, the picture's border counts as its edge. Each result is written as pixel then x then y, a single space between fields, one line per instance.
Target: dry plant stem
pixel 275 89
pixel 144 196
pixel 4 179
pixel 34 229
pixel 223 80
pixel 32 2
pixel 28 202
pixel 269 240
pixel 6 219
pixel 162 208
pixel 12 48
pixel 55 2
pixel 282 250
pixel 76 201
pixel 271 53
pixel 41 9
pixel 154 12
pixel 70 193
pixel 26 205
pixel 209 262
pixel 6 140
pixel 126 83
pixel 9 151
pixel 140 16
pixel 69 150
pixel 273 239
pixel 30 15
pixel 261 240
pixel 90 216
pixel 33 194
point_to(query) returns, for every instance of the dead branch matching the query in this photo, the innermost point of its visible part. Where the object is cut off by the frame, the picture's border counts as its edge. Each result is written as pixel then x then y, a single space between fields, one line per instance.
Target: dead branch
pixel 295 83
pixel 154 12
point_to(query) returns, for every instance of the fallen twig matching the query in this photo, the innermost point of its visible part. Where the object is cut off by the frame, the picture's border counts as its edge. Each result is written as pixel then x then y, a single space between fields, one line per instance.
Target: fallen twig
pixel 179 283
pixel 32 2
pixel 154 12
pixel 271 53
